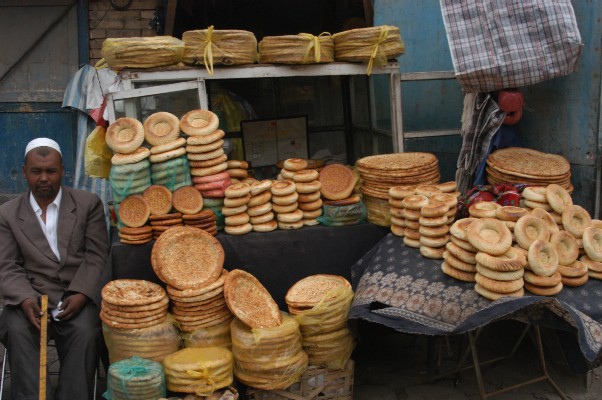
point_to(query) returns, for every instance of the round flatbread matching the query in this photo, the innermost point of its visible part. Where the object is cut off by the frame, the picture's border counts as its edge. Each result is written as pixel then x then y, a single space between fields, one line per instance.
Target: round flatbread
pixel 134 211
pixel 133 292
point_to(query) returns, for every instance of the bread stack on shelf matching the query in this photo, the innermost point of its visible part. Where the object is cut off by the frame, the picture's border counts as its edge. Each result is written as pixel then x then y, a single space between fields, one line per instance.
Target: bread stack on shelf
pixel 260 207
pixel 309 199
pixel 285 205
pixel 235 209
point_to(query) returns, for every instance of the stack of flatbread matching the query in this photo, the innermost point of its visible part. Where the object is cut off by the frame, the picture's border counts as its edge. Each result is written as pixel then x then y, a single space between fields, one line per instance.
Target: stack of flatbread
pixel 133 214
pixel 199 309
pixel 163 222
pixel 205 220
pixel 268 358
pixel 381 172
pixel 238 169
pixel 133 303
pixel 522 165
pixel 235 209
pixel 135 379
pixel 260 206
pixel 320 303
pixel 216 335
pixel 142 52
pixel 198 370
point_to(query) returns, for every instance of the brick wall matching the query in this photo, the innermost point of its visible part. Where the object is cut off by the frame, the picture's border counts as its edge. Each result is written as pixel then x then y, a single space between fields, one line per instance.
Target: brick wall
pixel 105 21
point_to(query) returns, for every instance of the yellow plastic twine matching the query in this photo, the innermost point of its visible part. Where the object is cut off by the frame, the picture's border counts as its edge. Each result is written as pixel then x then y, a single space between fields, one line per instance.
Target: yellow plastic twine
pixel 382 59
pixel 314 42
pixel 204 377
pixel 208 53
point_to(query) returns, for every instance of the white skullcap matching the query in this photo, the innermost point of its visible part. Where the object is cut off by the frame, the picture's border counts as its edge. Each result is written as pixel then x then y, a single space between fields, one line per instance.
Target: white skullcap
pixel 42 142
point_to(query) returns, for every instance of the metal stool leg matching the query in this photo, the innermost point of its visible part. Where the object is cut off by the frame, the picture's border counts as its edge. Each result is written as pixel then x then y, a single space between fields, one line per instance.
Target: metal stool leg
pixel 4 359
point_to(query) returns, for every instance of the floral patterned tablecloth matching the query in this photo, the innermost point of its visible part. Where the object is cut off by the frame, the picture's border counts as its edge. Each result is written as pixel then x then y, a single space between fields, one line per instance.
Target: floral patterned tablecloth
pixel 397 287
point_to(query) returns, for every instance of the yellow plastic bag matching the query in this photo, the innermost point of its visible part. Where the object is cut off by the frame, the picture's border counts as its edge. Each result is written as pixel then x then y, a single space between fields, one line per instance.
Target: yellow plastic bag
pixel 97 155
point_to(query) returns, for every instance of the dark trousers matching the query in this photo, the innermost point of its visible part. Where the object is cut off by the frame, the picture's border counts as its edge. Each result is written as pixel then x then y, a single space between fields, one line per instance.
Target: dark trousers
pixel 77 344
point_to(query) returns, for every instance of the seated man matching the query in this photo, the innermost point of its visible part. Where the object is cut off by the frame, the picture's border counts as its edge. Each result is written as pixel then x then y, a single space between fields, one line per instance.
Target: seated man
pixel 54 242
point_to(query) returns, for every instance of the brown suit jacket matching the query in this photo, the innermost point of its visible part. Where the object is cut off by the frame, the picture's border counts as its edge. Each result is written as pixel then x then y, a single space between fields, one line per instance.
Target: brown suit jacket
pixel 29 268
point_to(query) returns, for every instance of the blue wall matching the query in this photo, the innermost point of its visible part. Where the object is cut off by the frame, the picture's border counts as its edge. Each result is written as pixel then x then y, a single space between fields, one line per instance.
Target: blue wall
pixel 561 115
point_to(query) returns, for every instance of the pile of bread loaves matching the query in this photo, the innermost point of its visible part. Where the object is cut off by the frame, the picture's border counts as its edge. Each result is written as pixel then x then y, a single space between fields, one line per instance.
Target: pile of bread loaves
pixel 549 244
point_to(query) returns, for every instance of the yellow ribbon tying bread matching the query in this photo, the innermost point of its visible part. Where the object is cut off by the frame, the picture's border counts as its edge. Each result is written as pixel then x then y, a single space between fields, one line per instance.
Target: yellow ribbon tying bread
pixel 314 42
pixel 204 378
pixel 208 53
pixel 377 53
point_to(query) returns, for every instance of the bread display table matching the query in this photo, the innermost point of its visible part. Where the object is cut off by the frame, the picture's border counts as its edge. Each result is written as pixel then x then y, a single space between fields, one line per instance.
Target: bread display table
pixel 395 286
pixel 278 259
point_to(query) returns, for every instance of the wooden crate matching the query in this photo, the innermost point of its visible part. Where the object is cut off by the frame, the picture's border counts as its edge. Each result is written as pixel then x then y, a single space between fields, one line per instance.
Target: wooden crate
pixel 316 384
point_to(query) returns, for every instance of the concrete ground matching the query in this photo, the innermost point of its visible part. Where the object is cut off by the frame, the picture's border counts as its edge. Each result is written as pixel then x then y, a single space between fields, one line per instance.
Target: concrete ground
pixel 395 366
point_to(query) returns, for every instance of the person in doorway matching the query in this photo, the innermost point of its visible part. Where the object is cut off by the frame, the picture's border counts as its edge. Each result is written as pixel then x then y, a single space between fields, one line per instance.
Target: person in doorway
pixel 54 242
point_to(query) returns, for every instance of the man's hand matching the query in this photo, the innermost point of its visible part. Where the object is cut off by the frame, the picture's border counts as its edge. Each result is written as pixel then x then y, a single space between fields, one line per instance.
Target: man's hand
pixel 72 306
pixel 32 311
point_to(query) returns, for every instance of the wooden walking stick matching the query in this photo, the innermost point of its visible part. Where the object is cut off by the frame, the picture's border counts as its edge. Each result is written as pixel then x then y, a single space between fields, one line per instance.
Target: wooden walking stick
pixel 43 339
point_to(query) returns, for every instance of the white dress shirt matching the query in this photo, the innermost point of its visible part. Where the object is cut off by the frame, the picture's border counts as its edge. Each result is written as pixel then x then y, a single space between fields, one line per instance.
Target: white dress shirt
pixel 52 217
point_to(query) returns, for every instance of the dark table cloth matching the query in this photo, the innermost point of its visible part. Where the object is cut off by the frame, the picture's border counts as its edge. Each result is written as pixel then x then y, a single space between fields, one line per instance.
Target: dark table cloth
pixel 397 287
pixel 277 259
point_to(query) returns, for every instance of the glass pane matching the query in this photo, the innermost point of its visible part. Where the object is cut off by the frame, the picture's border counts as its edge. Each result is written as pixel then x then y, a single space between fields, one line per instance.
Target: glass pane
pixel 320 98
pixel 360 106
pixel 177 103
pixel 328 146
pixel 382 102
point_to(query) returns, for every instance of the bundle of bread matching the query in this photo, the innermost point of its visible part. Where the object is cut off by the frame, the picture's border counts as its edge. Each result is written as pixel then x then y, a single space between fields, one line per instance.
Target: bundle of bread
pixel 135 378
pixel 197 370
pixel 142 52
pixel 303 48
pixel 320 304
pixel 211 47
pixel 265 342
pixel 381 172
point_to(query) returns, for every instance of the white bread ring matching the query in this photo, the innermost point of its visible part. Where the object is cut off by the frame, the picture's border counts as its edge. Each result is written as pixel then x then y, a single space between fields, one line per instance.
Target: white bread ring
pixel 456 273
pixel 290 225
pixel 283 209
pixel 286 174
pixel 558 197
pixel 545 281
pixel 206 156
pixel 237 201
pixel 290 217
pixel 268 226
pixel 209 163
pixel 499 286
pixel 258 187
pixel 261 198
pixel 239 173
pixel 460 253
pixel 512 260
pixel 199 122
pixel 311 205
pixel 573 270
pixel 456 263
pixel 167 155
pixel 592 265
pixel 544 290
pixel 408 241
pixel 206 139
pixel 433 231
pixel 433 221
pixel 294 164
pixel 395 202
pixel 434 210
pixel 435 253
pixel 546 217
pixel 309 187
pixel 536 204
pixel 308 197
pixel 445 198
pixel 238 190
pixel 490 236
pixel 238 164
pixel 396 212
pixel 575 220
pixel 412 215
pixel 415 202
pixel 204 148
pixel 427 190
pixel 238 229
pixel 489 295
pixel 125 135
pixel 510 213
pixel 435 242
pixel 483 209
pixel 305 175
pixel 535 193
pixel 576 281
pixel 283 188
pixel 447 187
pixel 312 214
pixel 415 225
pixel 401 222
pixel 172 145
pixel 262 218
pixel 285 200
pixel 596 223
pixel 123 159
pixel 227 211
pixel 237 219
pixel 464 244
pixel 401 192
pixel 529 229
pixel 458 229
pixel 500 275
pixel 592 243
pixel 260 209
pixel 161 127
pixel 397 230
pixel 566 246
pixel 208 171
pixel 543 258
pixel 412 234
